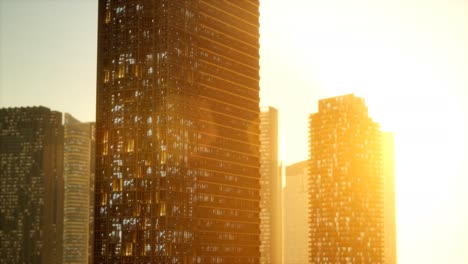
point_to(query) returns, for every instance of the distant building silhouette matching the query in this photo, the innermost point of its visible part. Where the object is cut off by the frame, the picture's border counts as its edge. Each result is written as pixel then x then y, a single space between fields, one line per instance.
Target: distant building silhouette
pixel 270 189
pixel 31 185
pixel 46 176
pixel 346 188
pixel 177 145
pixel 295 214
pixel 78 179
pixel 388 151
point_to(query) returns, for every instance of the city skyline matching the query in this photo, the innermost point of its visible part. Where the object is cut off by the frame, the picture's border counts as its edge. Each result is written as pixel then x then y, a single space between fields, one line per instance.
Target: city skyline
pixel 421 83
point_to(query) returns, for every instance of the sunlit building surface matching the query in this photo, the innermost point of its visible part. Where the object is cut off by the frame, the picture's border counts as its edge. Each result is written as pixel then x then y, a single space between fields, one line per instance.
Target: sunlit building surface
pixel 271 189
pixel 31 185
pixel 388 151
pixel 295 216
pixel 177 146
pixel 346 187
pixel 77 176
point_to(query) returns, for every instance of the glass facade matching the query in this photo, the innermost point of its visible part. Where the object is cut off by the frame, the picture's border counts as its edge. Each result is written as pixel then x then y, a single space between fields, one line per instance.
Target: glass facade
pixel 345 184
pixel 31 185
pixel 77 176
pixel 270 190
pixel 177 144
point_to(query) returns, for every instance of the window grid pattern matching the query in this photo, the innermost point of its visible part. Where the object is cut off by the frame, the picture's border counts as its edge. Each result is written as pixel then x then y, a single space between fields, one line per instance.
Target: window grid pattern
pixel 31 185
pixel 177 162
pixel 345 184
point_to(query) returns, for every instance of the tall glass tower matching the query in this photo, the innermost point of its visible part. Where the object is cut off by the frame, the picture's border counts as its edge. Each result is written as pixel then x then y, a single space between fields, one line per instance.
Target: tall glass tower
pixel 345 184
pixel 77 177
pixel 271 189
pixel 177 123
pixel 31 185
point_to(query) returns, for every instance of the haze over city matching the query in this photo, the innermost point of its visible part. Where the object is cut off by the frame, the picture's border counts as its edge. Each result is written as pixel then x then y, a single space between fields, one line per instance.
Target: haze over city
pixel 408 59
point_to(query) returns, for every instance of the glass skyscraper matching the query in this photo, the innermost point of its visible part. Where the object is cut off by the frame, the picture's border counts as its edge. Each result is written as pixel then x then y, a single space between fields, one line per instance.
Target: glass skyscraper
pixel 271 189
pixel 31 185
pixel 45 181
pixel 78 144
pixel 177 122
pixel 345 184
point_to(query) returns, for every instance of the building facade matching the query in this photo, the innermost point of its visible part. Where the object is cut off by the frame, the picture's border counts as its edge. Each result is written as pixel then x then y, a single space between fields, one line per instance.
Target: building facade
pixel 388 150
pixel 31 185
pixel 270 189
pixel 346 185
pixel 177 123
pixel 295 214
pixel 77 175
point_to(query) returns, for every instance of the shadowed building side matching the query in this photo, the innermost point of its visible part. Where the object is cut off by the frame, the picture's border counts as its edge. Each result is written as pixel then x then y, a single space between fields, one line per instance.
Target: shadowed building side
pixel 31 185
pixel 91 194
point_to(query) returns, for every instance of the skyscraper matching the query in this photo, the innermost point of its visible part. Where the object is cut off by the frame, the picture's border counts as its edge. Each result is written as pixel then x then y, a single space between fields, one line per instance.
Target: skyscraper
pixel 388 151
pixel 91 196
pixel 295 215
pixel 177 122
pixel 271 189
pixel 77 175
pixel 346 187
pixel 31 185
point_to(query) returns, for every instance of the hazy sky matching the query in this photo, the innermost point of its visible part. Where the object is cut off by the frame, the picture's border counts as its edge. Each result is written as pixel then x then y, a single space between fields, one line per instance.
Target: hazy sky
pixel 408 58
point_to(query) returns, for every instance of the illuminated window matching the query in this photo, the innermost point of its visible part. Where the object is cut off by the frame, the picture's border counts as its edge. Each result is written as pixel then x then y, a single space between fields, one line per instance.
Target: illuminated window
pixel 121 71
pixel 130 145
pixel 128 251
pixel 137 210
pixel 108 16
pixel 148 248
pixel 106 76
pixel 117 185
pixel 105 142
pixel 138 172
pixel 103 198
pixel 156 197
pixel 162 212
pixel 137 70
